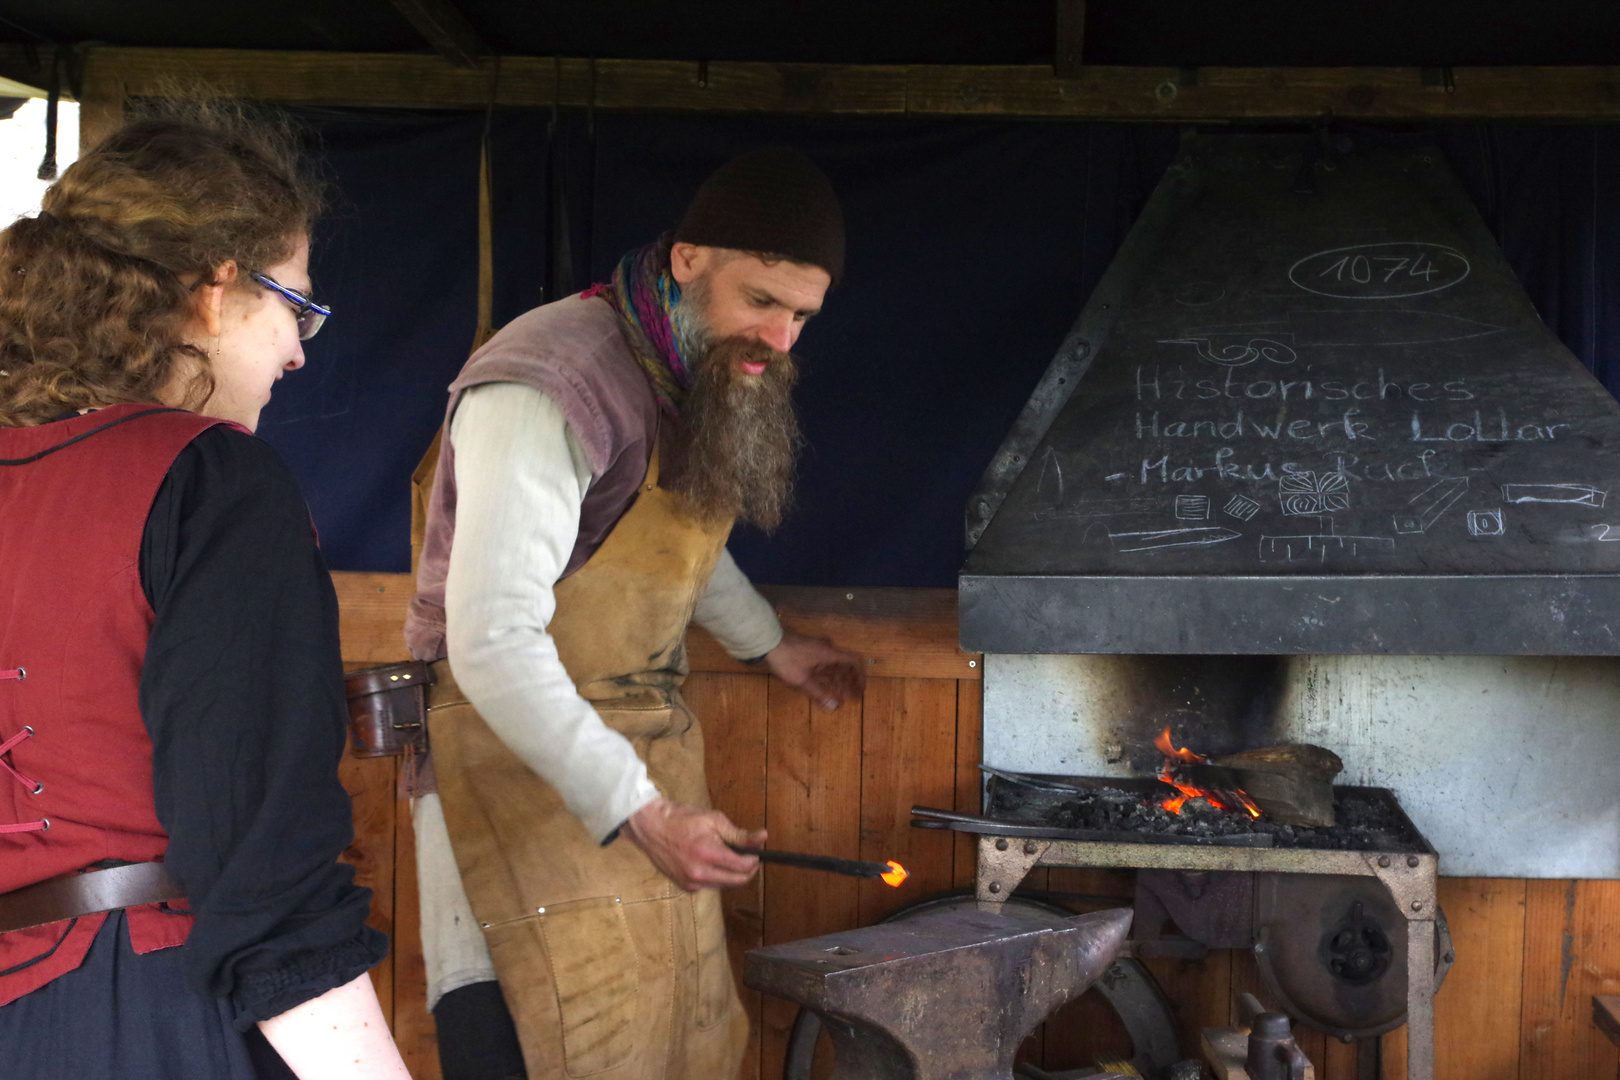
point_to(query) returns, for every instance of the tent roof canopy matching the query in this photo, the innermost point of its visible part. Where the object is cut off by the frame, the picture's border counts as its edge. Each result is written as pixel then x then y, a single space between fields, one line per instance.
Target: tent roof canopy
pixel 1239 33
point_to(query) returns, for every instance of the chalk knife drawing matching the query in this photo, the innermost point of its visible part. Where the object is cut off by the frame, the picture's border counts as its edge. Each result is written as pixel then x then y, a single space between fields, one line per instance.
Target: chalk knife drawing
pixel 1103 508
pixel 1569 494
pixel 1171 538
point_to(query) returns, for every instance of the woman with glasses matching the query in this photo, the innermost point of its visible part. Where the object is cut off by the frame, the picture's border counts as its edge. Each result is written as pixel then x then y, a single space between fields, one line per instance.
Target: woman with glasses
pixel 171 708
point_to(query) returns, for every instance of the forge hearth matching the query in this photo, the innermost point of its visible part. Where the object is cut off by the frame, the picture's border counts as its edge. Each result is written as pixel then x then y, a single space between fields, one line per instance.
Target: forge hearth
pixel 1343 921
pixel 1368 819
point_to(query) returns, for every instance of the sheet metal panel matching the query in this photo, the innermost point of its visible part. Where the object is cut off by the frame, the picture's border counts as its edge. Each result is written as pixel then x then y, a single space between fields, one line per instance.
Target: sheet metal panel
pixel 1505 763
pixel 1324 417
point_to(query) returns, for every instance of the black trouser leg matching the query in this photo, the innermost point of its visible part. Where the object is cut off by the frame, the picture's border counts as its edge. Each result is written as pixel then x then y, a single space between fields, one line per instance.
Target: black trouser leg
pixel 477 1039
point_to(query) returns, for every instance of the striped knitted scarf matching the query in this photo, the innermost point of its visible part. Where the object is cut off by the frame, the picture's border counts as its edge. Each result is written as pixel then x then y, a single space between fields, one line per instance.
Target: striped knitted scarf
pixel 643 292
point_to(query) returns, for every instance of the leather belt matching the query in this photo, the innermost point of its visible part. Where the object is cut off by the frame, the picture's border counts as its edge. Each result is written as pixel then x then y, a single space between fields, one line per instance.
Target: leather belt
pixel 90 893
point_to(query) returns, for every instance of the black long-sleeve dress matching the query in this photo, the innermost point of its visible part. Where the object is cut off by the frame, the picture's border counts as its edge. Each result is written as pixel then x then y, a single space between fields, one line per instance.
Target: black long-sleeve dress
pixel 241 692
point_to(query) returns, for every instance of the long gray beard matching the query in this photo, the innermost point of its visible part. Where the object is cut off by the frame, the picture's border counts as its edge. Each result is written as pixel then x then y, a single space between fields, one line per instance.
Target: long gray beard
pixel 734 451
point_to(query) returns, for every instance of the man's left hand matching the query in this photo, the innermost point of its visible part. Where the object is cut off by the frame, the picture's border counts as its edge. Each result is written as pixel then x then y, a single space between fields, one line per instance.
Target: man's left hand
pixel 828 675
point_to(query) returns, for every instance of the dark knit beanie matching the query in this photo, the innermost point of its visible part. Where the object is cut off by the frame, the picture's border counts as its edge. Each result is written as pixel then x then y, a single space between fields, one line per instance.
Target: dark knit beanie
pixel 773 201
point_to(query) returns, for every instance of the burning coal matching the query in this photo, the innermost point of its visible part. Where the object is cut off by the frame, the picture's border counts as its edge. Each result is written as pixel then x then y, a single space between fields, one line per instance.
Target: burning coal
pixel 1224 799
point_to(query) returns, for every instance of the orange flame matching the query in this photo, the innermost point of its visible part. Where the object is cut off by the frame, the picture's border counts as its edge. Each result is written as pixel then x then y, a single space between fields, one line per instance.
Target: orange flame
pixel 1169 750
pixel 896 874
pixel 1175 802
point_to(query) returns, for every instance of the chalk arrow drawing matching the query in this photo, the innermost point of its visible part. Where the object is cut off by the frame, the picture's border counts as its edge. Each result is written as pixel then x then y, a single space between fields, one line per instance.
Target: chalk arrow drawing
pixel 1569 494
pixel 1428 504
pixel 1171 538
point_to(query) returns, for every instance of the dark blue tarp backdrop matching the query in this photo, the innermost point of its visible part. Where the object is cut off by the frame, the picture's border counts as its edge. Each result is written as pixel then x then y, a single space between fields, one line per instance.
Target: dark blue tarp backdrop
pixel 972 247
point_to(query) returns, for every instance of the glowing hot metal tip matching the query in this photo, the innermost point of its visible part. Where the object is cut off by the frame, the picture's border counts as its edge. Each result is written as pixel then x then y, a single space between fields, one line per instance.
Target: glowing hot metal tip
pixel 894 874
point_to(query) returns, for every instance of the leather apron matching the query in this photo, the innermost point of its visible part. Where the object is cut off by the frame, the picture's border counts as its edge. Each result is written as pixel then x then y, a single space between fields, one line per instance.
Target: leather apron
pixel 609 969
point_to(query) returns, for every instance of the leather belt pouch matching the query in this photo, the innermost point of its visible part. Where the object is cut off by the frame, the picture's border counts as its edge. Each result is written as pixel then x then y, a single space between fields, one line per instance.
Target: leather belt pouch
pixel 74 895
pixel 388 709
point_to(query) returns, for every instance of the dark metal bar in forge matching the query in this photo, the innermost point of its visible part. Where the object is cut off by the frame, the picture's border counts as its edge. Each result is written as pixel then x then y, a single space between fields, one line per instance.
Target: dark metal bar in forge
pixel 851 867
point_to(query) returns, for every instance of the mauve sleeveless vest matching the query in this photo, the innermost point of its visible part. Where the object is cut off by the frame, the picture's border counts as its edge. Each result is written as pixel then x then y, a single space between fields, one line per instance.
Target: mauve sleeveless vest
pixel 74 623
pixel 574 352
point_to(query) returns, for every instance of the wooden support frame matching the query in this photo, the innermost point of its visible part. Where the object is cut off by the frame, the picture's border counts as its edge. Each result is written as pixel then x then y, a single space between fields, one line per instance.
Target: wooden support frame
pixel 945 91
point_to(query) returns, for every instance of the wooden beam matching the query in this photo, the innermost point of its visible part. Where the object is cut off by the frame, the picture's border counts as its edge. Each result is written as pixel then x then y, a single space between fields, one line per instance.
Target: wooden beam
pixel 29 67
pixel 900 633
pixel 1100 93
pixel 904 633
pixel 1071 36
pixel 444 27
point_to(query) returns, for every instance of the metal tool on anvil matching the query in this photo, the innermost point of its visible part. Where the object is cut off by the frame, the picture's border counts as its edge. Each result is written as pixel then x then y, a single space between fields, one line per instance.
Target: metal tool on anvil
pixel 945 995
pixel 890 873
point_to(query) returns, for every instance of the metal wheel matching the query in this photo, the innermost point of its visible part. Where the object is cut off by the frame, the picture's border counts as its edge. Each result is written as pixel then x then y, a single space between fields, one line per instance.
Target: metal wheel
pixel 1127 987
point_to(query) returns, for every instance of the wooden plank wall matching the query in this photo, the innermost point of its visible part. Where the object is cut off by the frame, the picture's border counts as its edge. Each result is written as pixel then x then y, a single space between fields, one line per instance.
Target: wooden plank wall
pixel 1517 1005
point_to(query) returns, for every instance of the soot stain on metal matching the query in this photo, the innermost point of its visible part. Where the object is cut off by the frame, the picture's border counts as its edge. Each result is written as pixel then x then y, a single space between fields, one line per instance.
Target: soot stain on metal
pixel 1212 704
pixel 1567 959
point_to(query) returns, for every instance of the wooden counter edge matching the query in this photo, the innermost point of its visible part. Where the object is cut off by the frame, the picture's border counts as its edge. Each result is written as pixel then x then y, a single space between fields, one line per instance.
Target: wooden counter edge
pixel 902 633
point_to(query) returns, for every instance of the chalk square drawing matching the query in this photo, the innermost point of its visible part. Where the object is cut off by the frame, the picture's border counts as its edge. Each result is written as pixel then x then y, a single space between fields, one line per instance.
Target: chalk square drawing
pixel 1242 507
pixel 1485 522
pixel 1314 493
pixel 1192 507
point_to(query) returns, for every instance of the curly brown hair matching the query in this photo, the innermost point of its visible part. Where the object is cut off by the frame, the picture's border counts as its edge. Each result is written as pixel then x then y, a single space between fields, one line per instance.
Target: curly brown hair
pixel 94 300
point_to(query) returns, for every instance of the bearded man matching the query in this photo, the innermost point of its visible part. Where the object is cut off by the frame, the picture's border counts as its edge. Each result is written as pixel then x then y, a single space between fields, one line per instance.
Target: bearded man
pixel 596 452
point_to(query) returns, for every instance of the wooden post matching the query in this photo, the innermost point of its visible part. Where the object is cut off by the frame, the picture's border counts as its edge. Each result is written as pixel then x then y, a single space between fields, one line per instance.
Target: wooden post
pixel 1071 35
pixel 101 100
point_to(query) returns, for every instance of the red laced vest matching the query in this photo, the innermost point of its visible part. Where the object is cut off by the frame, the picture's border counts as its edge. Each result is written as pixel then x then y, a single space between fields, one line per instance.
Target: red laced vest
pixel 75 758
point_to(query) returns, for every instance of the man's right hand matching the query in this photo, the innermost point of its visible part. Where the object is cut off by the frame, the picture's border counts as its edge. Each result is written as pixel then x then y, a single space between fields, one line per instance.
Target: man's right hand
pixel 689 845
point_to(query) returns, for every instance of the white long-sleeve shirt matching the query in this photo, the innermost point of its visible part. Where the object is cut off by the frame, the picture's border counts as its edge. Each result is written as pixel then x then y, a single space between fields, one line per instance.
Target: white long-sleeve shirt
pixel 520 480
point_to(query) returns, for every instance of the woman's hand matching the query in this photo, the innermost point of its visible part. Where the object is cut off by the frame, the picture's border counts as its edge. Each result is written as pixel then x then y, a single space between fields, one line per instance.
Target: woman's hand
pixel 340 1035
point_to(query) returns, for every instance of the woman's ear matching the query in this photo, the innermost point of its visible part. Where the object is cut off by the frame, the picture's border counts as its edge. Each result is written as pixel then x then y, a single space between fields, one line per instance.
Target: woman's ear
pixel 208 299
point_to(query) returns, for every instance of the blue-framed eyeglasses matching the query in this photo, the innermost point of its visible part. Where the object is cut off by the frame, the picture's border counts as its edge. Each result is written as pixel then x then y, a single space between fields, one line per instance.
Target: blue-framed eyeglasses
pixel 310 314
